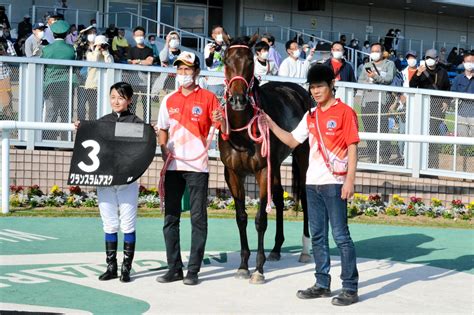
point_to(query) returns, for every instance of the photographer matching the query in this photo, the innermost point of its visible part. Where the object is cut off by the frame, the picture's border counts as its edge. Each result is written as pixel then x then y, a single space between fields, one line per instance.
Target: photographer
pixel 100 53
pixel 214 56
pixel 6 49
pixel 85 42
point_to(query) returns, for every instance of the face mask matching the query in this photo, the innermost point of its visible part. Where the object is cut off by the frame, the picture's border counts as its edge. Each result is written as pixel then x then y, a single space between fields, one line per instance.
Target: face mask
pixel 91 38
pixel 411 62
pixel 174 43
pixel 375 56
pixel 296 53
pixel 306 50
pixel 219 38
pixel 264 55
pixel 94 25
pixel 140 40
pixel 469 66
pixel 337 54
pixel 1 33
pixel 367 46
pixel 185 80
pixel 430 62
pixel 74 33
pixel 152 42
pixel 40 35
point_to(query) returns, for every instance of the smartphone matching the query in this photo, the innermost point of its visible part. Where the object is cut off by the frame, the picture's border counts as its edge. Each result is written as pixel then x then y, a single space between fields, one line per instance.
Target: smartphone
pixel 368 69
pixel 422 63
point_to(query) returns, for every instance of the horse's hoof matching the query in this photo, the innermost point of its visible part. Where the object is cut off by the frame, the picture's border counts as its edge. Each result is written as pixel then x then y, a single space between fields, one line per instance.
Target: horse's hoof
pixel 257 278
pixel 304 258
pixel 274 256
pixel 242 274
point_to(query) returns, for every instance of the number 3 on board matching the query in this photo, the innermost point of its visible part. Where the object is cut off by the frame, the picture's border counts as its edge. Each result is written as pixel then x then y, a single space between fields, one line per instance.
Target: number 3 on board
pixel 92 155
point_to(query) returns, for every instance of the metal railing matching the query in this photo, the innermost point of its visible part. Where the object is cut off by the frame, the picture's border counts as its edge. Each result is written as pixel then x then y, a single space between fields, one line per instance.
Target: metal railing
pixel 154 26
pixel 33 99
pixel 73 16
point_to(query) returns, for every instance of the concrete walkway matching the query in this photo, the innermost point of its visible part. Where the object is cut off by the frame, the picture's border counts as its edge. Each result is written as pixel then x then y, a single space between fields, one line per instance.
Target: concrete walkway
pixel 48 265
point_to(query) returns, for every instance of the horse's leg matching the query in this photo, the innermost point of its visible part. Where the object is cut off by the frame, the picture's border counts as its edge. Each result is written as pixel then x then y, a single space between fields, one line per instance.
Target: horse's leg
pixel 277 192
pixel 235 182
pixel 261 226
pixel 301 156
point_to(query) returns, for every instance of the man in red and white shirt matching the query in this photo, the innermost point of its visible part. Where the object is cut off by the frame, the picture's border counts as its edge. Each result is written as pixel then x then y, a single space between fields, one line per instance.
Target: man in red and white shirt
pixel 332 130
pixel 184 121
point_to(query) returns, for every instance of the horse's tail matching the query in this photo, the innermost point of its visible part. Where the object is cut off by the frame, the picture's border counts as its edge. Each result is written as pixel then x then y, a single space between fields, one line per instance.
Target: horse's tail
pixel 299 166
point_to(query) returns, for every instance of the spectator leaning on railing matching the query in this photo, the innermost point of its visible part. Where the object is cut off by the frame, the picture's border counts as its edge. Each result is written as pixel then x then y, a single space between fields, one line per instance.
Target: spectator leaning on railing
pixel 293 66
pixel 273 54
pixel 378 71
pixel 342 70
pixel 6 49
pixel 35 43
pixel 263 66
pixel 430 75
pixel 464 83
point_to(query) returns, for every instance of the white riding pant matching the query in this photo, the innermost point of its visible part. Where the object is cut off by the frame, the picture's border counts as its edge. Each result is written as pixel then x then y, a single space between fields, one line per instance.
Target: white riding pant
pixel 118 207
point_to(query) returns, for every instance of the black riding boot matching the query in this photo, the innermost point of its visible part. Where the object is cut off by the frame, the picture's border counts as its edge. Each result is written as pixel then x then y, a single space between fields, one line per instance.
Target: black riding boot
pixel 128 253
pixel 111 252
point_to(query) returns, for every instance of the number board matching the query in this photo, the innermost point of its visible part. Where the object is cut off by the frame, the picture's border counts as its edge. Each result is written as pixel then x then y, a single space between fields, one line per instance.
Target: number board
pixel 111 153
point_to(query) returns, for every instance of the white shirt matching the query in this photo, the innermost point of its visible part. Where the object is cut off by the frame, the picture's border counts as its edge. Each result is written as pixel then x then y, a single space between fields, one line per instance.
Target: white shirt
pixel 294 68
pixel 260 70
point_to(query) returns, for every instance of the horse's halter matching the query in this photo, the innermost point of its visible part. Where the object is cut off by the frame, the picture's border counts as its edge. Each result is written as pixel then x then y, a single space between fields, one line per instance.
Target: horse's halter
pixel 248 84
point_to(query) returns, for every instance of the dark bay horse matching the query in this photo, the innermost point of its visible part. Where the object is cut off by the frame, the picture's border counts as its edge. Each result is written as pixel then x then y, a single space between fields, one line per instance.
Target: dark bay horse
pixel 286 103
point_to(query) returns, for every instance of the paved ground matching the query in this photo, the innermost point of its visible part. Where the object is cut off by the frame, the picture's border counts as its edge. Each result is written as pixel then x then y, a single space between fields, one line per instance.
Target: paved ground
pixel 402 270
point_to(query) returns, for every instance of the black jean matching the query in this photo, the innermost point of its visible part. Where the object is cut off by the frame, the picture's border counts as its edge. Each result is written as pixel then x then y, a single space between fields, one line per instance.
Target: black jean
pixel 175 183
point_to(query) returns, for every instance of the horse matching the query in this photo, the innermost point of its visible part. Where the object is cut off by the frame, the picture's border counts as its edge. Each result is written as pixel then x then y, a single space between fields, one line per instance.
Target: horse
pixel 286 103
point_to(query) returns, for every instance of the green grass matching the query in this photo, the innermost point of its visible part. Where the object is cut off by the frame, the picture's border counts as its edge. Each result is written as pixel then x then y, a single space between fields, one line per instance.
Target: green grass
pixel 289 215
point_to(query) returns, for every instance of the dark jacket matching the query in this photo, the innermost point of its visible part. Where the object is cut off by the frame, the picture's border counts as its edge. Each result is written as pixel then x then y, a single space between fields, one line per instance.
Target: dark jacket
pixel 125 116
pixel 346 72
pixel 436 79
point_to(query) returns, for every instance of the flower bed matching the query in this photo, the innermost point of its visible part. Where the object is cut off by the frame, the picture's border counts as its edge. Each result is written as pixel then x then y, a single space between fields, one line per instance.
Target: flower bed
pixel 371 205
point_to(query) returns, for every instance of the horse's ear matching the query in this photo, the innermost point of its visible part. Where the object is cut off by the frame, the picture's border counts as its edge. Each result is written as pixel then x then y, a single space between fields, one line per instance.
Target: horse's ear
pixel 253 39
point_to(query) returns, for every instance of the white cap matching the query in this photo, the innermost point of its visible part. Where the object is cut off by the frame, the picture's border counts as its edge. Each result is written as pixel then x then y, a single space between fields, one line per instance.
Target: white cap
pixel 100 39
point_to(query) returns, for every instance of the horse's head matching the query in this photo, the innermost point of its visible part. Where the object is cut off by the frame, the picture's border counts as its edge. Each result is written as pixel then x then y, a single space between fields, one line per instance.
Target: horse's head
pixel 238 63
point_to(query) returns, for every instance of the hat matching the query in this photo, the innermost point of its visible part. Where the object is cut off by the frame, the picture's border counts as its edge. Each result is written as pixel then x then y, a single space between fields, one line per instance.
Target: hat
pixel 60 27
pixel 188 58
pixel 100 39
pixel 319 73
pixel 37 26
pixel 432 53
pixel 411 53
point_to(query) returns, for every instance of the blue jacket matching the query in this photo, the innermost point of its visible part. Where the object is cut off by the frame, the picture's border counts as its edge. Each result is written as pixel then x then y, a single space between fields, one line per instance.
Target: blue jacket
pixel 346 72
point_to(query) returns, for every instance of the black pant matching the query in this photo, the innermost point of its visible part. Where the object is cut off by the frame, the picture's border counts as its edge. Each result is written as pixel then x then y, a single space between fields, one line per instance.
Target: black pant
pixel 86 96
pixel 56 105
pixel 175 183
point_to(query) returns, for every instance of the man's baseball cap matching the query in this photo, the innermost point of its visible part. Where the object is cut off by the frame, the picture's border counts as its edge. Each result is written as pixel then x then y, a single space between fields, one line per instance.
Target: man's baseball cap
pixel 60 27
pixel 187 58
pixel 431 53
pixel 411 53
pixel 38 26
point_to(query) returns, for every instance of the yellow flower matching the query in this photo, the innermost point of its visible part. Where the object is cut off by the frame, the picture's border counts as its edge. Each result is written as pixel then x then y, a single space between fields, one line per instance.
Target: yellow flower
pixel 70 199
pixel 286 195
pixel 55 189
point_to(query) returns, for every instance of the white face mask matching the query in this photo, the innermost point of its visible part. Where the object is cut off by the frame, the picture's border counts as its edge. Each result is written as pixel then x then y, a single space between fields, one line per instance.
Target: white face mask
pixel 411 62
pixel 40 34
pixel 469 66
pixel 139 40
pixel 152 42
pixel 94 25
pixel 1 33
pixel 174 43
pixel 185 80
pixel 296 53
pixel 264 55
pixel 430 62
pixel 219 38
pixel 337 54
pixel 375 56
pixel 91 38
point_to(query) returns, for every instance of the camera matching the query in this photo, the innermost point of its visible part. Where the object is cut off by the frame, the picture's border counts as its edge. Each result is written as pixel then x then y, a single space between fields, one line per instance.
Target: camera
pixel 104 46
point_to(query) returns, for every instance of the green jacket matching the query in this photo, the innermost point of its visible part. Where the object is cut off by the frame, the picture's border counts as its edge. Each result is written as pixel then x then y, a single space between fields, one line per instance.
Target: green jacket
pixel 59 49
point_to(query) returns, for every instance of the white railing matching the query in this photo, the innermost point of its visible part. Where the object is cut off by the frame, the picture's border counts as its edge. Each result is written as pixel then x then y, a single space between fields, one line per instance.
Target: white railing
pixel 71 15
pixel 29 96
pixel 7 126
